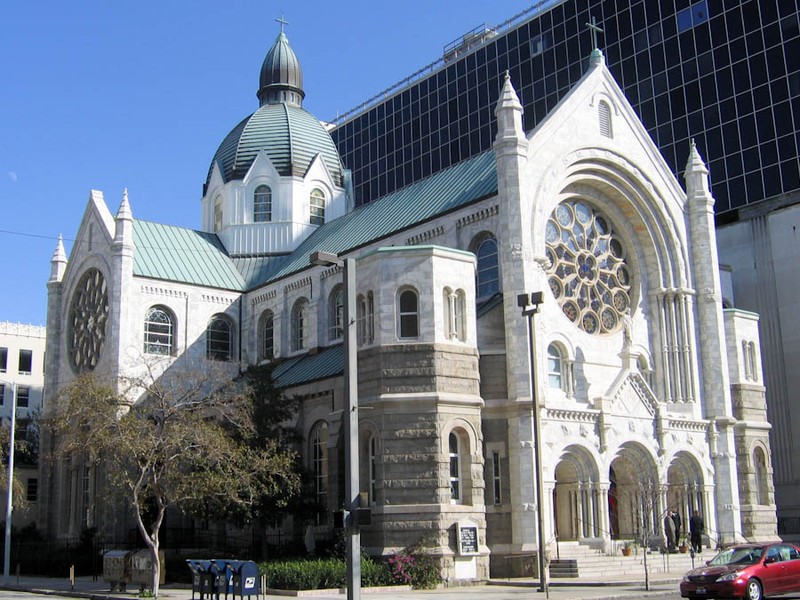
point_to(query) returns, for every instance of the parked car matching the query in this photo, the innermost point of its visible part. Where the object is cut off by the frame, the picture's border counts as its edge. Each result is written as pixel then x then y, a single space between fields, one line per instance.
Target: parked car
pixel 751 571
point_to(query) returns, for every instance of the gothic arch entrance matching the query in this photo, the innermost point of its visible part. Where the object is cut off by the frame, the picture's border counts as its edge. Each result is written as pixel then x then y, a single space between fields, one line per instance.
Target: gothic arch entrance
pixel 577 507
pixel 634 493
pixel 685 487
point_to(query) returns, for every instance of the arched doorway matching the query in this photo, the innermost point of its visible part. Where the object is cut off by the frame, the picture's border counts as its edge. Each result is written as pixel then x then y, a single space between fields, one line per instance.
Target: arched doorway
pixel 685 488
pixel 635 494
pixel 576 496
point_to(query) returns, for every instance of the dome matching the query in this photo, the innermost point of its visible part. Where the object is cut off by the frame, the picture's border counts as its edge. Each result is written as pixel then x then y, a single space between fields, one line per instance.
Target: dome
pixel 289 134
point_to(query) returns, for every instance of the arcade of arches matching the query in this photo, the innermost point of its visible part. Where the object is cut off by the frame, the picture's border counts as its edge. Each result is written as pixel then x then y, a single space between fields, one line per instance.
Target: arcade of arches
pixel 632 493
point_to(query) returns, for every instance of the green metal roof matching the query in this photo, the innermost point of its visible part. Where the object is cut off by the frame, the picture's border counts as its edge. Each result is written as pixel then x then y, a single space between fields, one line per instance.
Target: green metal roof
pixel 184 255
pixel 196 257
pixel 290 135
pixel 448 190
pixel 309 367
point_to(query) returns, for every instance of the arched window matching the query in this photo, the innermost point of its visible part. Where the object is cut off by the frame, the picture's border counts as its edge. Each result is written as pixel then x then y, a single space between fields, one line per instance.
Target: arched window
pixel 454 446
pixel 408 313
pixel 300 325
pixel 370 322
pixel 555 367
pixel 317 207
pixel 217 213
pixel 219 339
pixel 488 270
pixel 762 477
pixel 604 118
pixel 372 449
pixel 336 314
pixel 262 204
pixel 365 319
pixel 319 464
pixel 158 332
pixel 753 357
pixel 266 336
pixel 455 301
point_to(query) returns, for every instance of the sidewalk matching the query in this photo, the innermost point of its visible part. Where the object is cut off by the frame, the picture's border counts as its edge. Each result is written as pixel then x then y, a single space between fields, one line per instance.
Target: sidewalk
pixel 661 585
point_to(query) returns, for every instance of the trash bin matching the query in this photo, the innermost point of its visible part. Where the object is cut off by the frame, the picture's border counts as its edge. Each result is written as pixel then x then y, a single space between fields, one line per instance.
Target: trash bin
pixel 142 569
pixel 117 568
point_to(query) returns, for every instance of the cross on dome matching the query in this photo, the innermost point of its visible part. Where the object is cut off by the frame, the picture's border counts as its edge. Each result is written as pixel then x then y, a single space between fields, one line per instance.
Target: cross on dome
pixel 282 21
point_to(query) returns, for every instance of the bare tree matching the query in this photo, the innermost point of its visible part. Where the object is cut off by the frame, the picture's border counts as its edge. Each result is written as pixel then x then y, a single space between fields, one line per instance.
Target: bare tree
pixel 645 507
pixel 186 442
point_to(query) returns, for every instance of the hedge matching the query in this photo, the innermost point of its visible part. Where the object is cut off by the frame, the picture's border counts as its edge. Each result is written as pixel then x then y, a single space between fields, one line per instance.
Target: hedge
pixel 323 573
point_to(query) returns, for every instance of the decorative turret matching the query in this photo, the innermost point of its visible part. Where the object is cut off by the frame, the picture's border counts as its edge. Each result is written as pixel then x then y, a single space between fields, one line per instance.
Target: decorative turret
pixel 509 113
pixel 696 176
pixel 123 232
pixel 281 75
pixel 58 264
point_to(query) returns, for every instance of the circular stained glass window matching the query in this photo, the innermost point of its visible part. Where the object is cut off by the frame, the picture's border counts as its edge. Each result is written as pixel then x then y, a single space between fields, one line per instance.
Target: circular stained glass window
pixel 588 275
pixel 88 315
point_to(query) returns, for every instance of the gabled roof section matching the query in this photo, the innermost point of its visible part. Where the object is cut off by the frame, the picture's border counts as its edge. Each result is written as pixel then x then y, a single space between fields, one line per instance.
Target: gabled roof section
pixel 183 255
pixel 448 190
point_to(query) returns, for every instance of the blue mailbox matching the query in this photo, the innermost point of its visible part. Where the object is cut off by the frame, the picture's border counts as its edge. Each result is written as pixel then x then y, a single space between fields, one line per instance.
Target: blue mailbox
pixel 243 577
pixel 207 579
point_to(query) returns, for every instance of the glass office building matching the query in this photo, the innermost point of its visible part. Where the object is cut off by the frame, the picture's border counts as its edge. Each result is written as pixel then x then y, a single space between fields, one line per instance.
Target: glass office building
pixel 724 73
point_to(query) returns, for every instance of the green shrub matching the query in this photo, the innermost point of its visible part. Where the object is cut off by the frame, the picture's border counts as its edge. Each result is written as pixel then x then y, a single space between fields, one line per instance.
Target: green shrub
pixel 324 573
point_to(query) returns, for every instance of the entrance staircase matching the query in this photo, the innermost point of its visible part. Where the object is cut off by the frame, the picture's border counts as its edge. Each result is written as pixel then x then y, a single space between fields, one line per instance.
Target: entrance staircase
pixel 580 561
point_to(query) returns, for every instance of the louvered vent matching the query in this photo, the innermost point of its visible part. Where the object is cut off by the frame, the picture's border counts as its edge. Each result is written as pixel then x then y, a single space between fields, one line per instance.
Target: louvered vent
pixel 604 116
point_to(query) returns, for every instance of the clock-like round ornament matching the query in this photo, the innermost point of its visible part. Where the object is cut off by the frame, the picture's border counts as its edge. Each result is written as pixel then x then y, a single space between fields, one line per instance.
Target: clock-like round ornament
pixel 86 327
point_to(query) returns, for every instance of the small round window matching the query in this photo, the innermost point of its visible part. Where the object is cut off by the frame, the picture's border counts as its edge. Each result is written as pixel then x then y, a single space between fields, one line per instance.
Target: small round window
pixel 588 274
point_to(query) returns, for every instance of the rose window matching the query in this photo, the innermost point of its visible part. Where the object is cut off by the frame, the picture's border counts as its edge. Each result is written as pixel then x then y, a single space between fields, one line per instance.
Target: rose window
pixel 88 315
pixel 588 274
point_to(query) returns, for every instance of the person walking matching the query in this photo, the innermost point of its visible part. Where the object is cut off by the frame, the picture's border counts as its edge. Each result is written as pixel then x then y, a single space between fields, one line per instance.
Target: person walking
pixel 696 528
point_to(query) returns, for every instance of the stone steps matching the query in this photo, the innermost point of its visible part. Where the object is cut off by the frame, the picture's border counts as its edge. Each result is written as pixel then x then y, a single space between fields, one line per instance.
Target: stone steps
pixel 580 561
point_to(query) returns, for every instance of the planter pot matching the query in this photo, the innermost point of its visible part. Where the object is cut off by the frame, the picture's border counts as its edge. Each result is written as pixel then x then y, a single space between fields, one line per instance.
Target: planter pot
pixel 626 552
pixel 683 549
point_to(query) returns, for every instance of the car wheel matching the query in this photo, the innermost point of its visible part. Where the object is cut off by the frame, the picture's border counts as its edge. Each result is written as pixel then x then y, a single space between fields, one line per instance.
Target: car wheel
pixel 754 591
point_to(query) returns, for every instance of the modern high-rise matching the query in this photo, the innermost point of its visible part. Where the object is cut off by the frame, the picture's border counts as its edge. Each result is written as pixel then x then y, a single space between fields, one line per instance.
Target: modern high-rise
pixel 722 73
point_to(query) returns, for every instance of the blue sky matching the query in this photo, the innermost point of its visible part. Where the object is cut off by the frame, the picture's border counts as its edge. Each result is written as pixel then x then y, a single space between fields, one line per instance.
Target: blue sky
pixel 110 95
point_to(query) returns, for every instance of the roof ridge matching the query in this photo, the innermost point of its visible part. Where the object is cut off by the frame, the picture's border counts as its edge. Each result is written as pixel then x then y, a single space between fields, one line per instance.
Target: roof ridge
pixel 291 139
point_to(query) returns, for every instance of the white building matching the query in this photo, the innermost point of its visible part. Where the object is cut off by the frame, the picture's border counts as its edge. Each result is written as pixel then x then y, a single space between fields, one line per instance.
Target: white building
pixel 22 356
pixel 640 373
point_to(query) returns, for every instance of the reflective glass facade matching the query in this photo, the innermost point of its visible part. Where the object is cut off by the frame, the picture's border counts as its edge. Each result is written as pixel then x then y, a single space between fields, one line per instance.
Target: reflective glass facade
pixel 722 72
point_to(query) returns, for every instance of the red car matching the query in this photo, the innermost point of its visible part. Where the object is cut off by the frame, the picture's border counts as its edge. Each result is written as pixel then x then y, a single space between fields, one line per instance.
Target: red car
pixel 751 571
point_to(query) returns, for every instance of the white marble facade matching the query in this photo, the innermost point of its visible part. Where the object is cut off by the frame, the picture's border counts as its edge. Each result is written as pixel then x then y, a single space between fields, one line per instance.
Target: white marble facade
pixel 648 380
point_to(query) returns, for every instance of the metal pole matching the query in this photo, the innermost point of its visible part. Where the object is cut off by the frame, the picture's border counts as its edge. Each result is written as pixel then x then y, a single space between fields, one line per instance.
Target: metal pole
pixel 529 312
pixel 10 494
pixel 351 431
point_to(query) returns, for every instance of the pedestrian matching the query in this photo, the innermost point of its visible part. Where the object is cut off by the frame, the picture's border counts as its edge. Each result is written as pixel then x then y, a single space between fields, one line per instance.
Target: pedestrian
pixel 696 528
pixel 676 518
pixel 669 531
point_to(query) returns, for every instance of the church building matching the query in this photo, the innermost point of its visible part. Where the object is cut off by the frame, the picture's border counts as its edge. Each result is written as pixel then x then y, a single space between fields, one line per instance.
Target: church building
pixel 635 371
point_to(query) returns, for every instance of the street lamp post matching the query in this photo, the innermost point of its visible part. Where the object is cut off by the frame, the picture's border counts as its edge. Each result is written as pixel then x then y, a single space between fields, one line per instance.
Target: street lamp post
pixel 529 303
pixel 10 492
pixel 350 418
